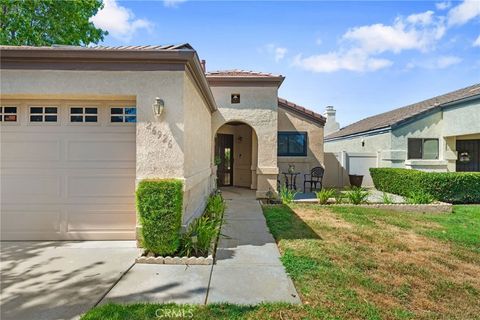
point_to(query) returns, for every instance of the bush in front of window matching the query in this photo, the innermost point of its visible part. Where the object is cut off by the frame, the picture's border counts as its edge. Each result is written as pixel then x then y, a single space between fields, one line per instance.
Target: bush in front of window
pixel 452 187
pixel 159 204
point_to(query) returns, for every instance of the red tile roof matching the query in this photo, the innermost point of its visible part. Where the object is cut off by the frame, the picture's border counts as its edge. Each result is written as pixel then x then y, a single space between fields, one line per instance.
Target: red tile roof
pixel 241 74
pixel 302 111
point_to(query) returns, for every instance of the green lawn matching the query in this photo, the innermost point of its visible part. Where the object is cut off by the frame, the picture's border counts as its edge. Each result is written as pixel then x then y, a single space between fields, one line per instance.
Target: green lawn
pixel 357 263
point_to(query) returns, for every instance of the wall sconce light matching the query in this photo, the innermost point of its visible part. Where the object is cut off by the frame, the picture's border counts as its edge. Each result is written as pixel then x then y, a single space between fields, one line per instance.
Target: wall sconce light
pixel 158 107
pixel 363 142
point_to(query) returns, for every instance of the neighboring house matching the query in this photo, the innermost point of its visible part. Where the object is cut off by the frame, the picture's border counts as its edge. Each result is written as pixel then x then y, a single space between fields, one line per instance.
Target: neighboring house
pixel 81 126
pixel 438 134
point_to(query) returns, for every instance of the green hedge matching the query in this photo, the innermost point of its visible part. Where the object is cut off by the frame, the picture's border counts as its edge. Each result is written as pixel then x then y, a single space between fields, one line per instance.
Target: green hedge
pixel 452 187
pixel 159 204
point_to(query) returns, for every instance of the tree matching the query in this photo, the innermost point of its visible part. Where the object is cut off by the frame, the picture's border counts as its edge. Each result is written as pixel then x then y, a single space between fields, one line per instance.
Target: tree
pixel 47 22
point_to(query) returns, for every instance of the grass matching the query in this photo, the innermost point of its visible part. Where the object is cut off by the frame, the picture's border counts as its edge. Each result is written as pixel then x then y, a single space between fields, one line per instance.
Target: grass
pixel 358 263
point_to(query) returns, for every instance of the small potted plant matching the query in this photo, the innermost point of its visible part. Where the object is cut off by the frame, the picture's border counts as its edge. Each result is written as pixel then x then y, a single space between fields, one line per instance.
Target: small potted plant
pixel 291 168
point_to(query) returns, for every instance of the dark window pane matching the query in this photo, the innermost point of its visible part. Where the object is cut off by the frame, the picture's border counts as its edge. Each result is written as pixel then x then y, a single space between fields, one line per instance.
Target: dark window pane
pixel 50 118
pixel 36 118
pixel 292 144
pixel 76 118
pixel 91 110
pixel 10 118
pixel 116 118
pixel 130 110
pixel 90 118
pixel 51 110
pixel 76 110
pixel 282 144
pixel 116 111
pixel 414 148
pixel 10 110
pixel 130 119
pixel 36 110
pixel 296 144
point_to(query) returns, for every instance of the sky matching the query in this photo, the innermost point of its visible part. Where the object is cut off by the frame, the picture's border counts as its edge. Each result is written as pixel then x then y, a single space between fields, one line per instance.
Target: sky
pixel 361 57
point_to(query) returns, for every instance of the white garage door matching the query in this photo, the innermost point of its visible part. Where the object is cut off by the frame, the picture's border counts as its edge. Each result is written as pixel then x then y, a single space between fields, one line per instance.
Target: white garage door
pixel 67 170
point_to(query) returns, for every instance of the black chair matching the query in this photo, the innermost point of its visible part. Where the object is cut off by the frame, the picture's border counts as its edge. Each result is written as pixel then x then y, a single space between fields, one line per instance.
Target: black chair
pixel 314 178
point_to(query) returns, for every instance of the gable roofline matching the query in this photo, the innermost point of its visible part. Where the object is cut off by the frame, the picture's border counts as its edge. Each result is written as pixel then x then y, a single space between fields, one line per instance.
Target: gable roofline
pixel 407 114
pixel 123 58
pixel 245 78
pixel 301 111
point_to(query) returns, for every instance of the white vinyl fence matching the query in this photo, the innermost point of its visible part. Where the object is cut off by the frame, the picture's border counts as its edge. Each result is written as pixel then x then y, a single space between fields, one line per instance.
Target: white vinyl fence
pixel 338 165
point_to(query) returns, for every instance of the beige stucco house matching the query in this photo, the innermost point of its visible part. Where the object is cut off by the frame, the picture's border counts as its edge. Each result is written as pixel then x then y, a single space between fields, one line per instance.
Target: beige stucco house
pixel 81 126
pixel 438 134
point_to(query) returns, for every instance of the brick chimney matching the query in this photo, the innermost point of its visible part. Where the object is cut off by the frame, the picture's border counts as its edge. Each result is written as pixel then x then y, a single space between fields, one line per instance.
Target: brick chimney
pixel 331 125
pixel 204 65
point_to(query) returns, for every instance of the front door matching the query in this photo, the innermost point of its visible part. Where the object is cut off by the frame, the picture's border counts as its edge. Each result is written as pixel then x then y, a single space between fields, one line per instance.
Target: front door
pixel 224 159
pixel 468 155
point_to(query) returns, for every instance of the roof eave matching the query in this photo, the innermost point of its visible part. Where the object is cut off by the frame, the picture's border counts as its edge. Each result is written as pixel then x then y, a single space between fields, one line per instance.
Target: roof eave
pixel 69 58
pixel 360 134
pixel 245 81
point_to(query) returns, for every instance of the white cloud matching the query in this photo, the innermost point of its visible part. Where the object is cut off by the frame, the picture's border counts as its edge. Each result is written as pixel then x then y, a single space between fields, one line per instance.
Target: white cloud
pixel 476 43
pixel 120 22
pixel 441 62
pixel 173 3
pixel 417 31
pixel 277 52
pixel 280 53
pixel 319 41
pixel 354 60
pixel 443 5
pixel 464 12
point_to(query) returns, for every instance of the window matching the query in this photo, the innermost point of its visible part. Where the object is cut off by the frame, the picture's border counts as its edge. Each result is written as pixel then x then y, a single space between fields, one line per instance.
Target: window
pixel 423 149
pixel 123 114
pixel 43 114
pixel 8 114
pixel 83 114
pixel 292 144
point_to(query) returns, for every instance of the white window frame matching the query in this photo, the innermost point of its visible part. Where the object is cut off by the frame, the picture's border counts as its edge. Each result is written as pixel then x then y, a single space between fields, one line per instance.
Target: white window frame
pixel 43 114
pixel 16 114
pixel 123 115
pixel 83 115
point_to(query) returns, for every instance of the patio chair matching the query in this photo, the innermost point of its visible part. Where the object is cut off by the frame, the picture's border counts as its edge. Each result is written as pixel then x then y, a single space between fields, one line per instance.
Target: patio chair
pixel 314 178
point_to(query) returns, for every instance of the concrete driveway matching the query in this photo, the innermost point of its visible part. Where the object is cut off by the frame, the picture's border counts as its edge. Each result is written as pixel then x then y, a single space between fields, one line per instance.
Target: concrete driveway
pixel 59 280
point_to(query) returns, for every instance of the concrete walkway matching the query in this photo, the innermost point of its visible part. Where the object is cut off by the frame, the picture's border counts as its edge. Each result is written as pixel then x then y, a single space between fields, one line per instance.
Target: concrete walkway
pixel 247 270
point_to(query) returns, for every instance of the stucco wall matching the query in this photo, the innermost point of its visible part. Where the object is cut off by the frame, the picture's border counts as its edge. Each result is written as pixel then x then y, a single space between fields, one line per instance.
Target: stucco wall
pixel 257 108
pixel 462 119
pixel 288 121
pixel 197 142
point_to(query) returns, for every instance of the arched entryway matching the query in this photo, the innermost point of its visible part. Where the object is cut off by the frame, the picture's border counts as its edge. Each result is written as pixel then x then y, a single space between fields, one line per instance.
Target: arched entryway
pixel 236 155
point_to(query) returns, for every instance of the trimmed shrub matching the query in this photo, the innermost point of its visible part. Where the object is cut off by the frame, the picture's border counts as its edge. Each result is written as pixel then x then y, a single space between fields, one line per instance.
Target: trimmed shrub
pixel 159 204
pixel 452 187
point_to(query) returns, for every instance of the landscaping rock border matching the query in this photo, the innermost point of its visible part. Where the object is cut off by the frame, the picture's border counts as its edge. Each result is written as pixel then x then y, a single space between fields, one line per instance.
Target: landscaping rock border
pixel 176 260
pixel 436 207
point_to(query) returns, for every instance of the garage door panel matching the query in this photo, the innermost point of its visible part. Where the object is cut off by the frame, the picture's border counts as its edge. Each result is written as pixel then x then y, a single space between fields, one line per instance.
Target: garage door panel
pixel 20 188
pixel 20 150
pixel 100 186
pixel 101 220
pixel 100 151
pixel 30 221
